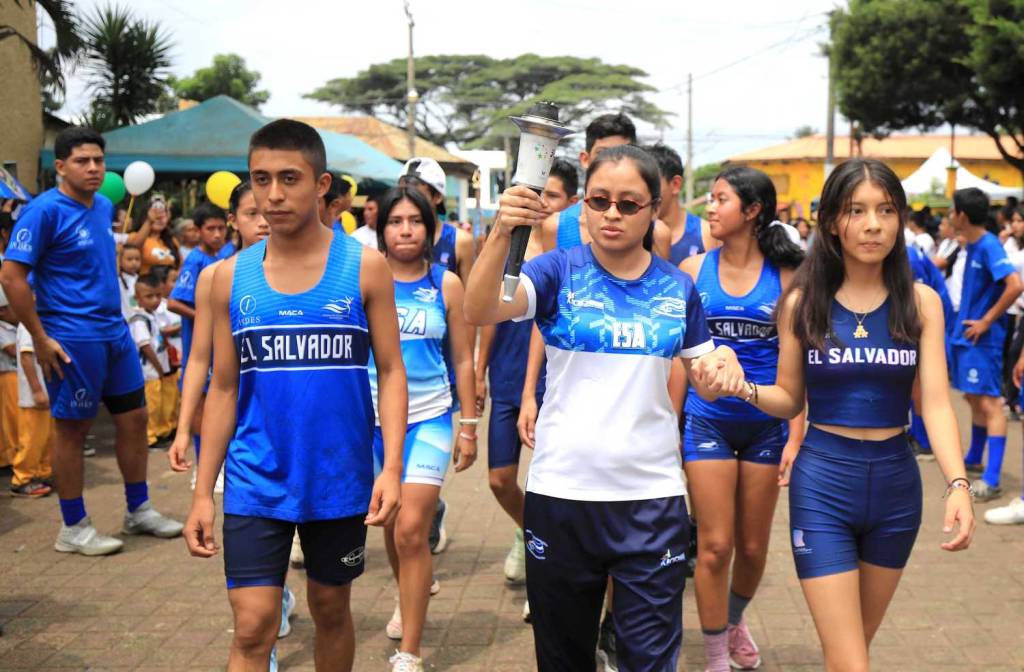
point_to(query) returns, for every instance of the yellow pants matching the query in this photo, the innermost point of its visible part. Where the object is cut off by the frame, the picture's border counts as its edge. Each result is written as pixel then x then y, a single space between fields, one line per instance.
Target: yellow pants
pixel 8 416
pixel 169 402
pixel 156 416
pixel 36 435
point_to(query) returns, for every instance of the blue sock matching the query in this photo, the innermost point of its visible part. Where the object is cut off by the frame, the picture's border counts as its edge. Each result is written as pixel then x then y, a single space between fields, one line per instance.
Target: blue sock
pixel 996 449
pixel 136 494
pixel 195 442
pixel 917 430
pixel 72 510
pixel 978 435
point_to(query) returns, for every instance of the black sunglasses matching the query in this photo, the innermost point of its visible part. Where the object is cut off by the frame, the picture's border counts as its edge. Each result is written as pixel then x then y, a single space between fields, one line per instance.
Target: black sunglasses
pixel 626 207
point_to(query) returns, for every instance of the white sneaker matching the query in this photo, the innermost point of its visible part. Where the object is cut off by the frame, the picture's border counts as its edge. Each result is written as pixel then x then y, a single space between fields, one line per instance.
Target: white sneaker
pixel 405 662
pixel 394 626
pixel 1011 514
pixel 297 558
pixel 515 561
pixel 435 587
pixel 287 610
pixel 146 520
pixel 526 611
pixel 83 538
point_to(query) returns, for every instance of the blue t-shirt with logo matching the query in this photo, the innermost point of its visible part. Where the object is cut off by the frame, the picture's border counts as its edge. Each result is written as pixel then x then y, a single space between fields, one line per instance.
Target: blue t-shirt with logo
pixel 987 266
pixel 70 249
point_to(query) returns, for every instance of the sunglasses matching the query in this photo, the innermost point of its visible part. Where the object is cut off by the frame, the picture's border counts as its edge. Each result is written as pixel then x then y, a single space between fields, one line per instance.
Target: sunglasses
pixel 626 207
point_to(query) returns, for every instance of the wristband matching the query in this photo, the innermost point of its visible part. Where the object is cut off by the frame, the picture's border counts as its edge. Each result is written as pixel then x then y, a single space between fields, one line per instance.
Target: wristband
pixel 467 437
pixel 469 421
pixel 959 484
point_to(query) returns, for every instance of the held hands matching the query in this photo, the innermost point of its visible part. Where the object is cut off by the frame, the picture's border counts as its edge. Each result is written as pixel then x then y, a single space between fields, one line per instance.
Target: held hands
pixel 385 500
pixel 720 373
pixel 520 206
pixel 959 510
pixel 976 329
pixel 199 528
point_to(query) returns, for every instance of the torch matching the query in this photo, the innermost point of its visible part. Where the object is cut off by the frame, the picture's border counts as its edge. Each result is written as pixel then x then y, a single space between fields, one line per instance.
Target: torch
pixel 540 132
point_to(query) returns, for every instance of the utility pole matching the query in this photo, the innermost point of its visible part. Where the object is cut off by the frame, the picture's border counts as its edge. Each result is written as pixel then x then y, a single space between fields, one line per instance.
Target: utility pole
pixel 410 79
pixel 830 122
pixel 689 137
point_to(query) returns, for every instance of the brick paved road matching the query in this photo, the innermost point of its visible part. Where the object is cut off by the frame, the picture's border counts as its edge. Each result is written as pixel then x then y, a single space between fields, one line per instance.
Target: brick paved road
pixel 154 607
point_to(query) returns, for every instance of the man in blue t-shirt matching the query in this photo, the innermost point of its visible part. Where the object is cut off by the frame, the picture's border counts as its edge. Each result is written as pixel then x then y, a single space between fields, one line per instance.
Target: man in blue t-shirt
pixel 990 286
pixel 64 239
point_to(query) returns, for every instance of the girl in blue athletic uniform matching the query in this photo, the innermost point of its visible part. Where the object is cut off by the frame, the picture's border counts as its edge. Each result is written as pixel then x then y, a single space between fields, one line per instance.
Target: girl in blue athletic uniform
pixel 429 303
pixel 605 490
pixel 731 451
pixel 856 334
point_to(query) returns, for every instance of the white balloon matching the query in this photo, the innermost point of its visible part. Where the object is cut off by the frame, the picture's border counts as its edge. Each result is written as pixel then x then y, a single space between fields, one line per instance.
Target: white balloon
pixel 138 177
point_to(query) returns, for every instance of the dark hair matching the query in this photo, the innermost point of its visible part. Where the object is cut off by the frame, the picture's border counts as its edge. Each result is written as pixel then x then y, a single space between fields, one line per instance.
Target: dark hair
pixel 75 136
pixel 1007 211
pixel 649 173
pixel 206 211
pixel 338 188
pixel 393 197
pixel 973 202
pixel 1012 201
pixel 669 162
pixel 608 125
pixel 288 134
pixel 754 187
pixel 239 192
pixel 820 276
pixel 566 173
pixel 151 280
pixel 131 246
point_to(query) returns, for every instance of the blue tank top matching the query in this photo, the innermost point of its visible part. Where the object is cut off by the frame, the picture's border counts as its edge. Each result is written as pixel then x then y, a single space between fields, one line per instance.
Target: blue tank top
pixel 691 242
pixel 569 227
pixel 860 382
pixel 302 448
pixel 506 367
pixel 444 250
pixel 747 325
pixel 423 328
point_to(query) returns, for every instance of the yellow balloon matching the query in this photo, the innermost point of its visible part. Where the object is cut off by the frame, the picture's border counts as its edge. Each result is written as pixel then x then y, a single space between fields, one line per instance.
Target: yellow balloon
pixel 355 187
pixel 219 187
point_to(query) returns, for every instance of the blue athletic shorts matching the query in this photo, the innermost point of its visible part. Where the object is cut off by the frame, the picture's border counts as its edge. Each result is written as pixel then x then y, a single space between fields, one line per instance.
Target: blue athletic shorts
pixel 107 371
pixel 427 451
pixel 852 501
pixel 976 370
pixel 758 441
pixel 572 547
pixel 503 446
pixel 256 550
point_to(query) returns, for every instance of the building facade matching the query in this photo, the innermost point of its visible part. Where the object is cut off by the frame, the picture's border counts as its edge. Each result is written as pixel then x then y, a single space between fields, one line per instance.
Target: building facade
pixel 21 128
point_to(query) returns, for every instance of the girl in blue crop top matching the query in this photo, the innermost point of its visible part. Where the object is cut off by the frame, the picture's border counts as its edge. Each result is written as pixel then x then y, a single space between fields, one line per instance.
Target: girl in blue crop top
pixel 856 334
pixel 731 450
pixel 429 303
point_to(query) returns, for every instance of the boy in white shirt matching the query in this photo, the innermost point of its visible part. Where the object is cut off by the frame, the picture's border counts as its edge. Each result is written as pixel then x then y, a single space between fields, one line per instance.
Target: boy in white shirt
pixel 152 350
pixel 129 263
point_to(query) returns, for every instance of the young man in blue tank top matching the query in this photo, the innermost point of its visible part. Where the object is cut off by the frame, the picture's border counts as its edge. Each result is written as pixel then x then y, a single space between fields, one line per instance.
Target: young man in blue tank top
pixel 690 234
pixel 855 336
pixel 294 320
pixel 64 239
pixel 990 286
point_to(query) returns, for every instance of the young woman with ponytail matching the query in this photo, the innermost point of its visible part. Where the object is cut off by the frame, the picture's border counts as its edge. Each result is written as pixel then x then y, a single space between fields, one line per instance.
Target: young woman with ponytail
pixel 736 456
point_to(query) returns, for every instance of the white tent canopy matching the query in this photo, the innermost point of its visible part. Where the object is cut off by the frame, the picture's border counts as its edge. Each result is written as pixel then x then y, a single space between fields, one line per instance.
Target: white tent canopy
pixel 933 171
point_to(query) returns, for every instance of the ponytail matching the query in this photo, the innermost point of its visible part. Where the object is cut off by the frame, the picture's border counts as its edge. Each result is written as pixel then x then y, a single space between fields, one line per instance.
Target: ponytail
pixel 754 187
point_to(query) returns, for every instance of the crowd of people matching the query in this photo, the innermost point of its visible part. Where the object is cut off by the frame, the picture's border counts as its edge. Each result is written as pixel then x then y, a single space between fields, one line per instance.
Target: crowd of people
pixel 728 356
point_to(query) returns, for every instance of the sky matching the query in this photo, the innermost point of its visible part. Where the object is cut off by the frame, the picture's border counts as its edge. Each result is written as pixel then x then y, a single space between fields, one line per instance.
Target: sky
pixel 758 72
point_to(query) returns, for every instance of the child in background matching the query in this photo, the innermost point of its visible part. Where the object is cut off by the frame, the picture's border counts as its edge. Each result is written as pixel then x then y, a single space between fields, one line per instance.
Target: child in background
pixel 129 263
pixel 8 383
pixel 36 430
pixel 170 328
pixel 152 351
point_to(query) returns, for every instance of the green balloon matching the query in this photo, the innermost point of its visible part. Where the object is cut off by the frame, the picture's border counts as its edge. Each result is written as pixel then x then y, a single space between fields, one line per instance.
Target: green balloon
pixel 113 187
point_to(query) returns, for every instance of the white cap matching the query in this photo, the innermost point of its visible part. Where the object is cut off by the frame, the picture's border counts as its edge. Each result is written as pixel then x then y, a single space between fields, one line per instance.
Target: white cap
pixel 426 169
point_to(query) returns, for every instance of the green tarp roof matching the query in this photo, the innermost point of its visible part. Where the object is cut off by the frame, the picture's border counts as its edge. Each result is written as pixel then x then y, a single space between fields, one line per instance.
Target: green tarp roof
pixel 214 135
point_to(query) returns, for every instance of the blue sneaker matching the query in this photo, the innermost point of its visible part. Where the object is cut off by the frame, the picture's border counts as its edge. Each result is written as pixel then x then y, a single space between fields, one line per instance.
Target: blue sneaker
pixel 287 610
pixel 273 660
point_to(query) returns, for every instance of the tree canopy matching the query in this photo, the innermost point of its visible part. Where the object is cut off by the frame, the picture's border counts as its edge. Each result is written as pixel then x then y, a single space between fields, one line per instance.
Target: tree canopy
pixel 227 76
pixel 925 63
pixel 466 99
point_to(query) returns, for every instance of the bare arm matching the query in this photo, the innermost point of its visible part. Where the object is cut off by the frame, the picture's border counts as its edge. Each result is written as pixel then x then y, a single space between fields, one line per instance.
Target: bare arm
pixel 483 357
pixel 662 239
pixel 28 365
pixel 378 290
pixel 182 308
pixel 465 253
pixel 10 350
pixel 14 278
pixel 462 360
pixel 975 328
pixel 520 206
pixel 138 237
pixel 786 398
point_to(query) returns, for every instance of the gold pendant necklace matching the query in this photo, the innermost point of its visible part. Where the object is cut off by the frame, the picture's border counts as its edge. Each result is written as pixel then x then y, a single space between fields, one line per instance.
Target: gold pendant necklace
pixel 860 331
